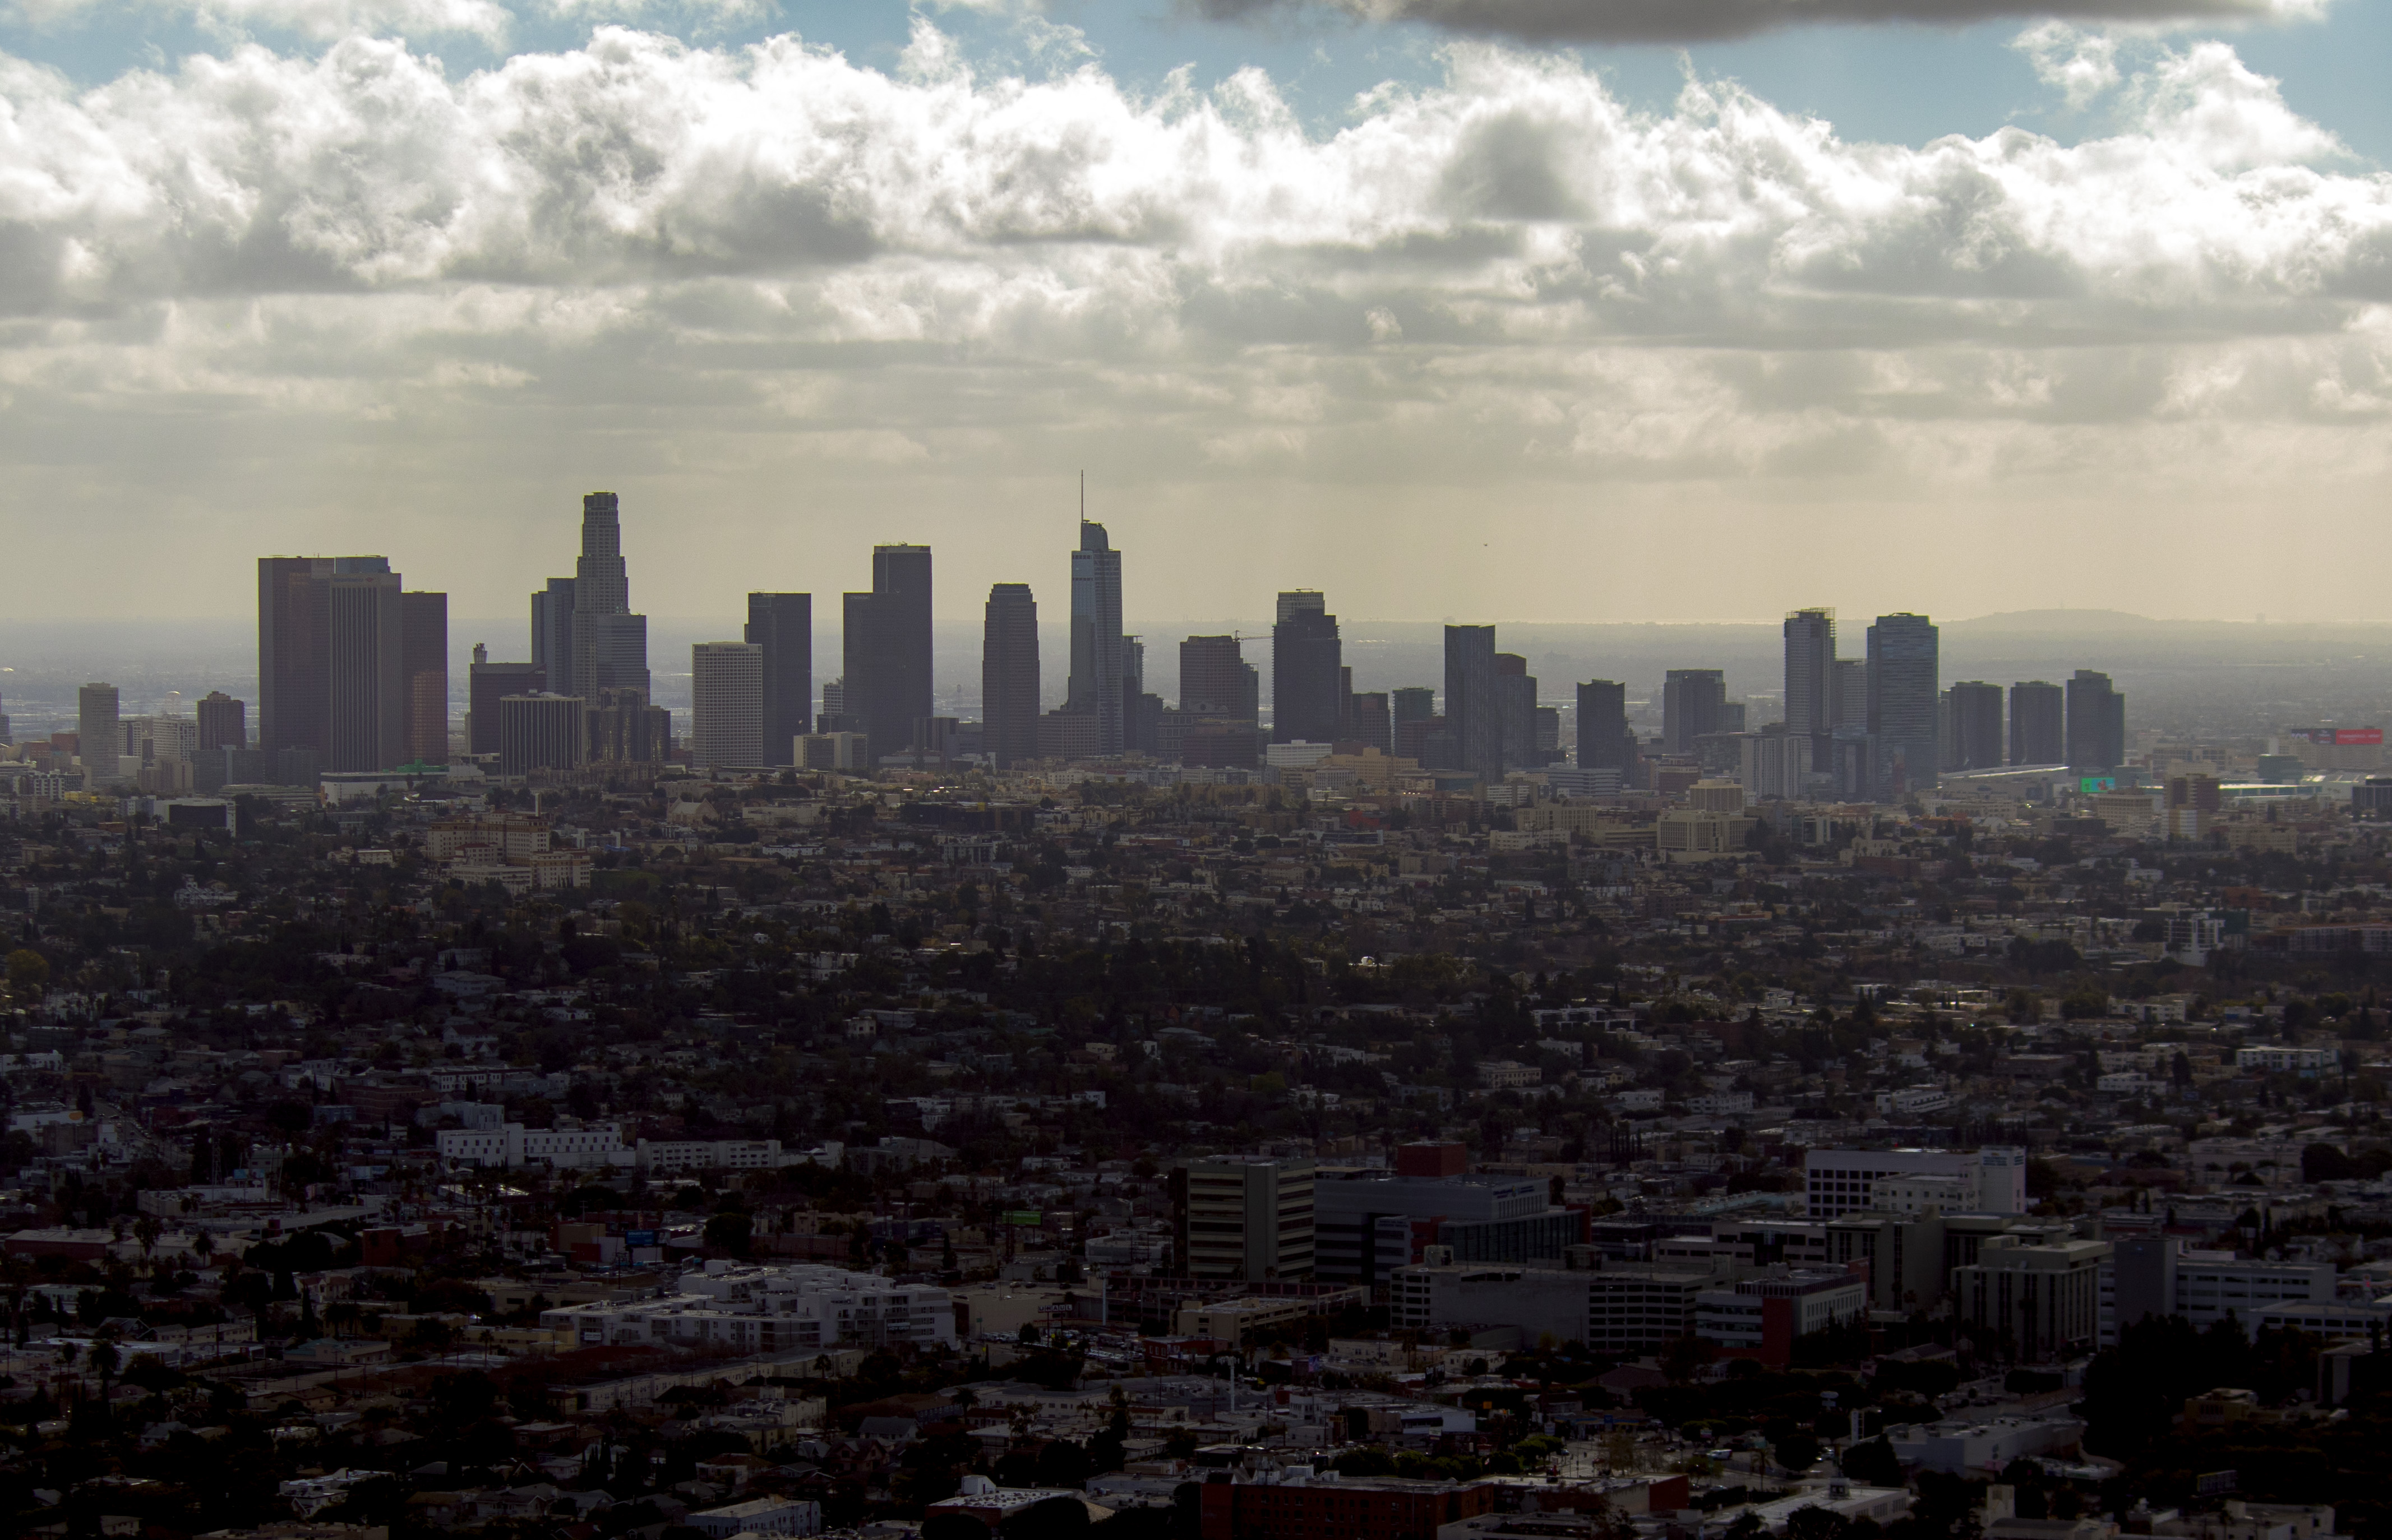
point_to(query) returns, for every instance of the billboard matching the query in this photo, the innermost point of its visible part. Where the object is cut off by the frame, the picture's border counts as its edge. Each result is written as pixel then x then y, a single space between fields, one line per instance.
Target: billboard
pixel 2088 785
pixel 2340 737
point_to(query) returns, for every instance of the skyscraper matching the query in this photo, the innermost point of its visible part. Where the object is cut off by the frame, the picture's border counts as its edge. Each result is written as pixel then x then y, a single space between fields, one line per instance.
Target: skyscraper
pixel 1904 663
pixel 551 638
pixel 1220 706
pixel 541 731
pixel 1413 703
pixel 1693 703
pixel 783 625
pixel 1472 717
pixel 486 684
pixel 726 694
pixel 1515 712
pixel 1308 670
pixel 1974 740
pixel 2038 723
pixel 366 726
pixel 610 643
pixel 886 637
pixel 293 652
pixel 222 722
pixel 2097 723
pixel 98 730
pixel 1848 693
pixel 1810 673
pixel 1368 722
pixel 1094 686
pixel 1009 675
pixel 1603 740
pixel 424 669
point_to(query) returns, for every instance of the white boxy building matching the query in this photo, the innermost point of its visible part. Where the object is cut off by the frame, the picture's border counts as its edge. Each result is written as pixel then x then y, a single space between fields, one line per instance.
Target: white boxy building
pixel 746 1307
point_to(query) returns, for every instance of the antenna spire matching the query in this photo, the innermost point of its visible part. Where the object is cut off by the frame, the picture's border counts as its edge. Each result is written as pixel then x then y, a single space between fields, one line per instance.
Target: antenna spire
pixel 1084 497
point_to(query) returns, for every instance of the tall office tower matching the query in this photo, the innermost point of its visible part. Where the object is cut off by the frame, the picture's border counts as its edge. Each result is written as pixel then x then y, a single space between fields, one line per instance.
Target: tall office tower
pixel 783 623
pixel 1810 673
pixel 1973 741
pixel 1904 665
pixel 623 728
pixel 1603 740
pixel 1094 686
pixel 102 736
pixel 423 671
pixel 1473 717
pixel 486 684
pixel 293 652
pixel 726 694
pixel 1307 665
pixel 1848 693
pixel 1415 702
pixel 541 731
pixel 552 636
pixel 2038 723
pixel 610 643
pixel 1345 701
pixel 1693 703
pixel 6 737
pixel 1515 711
pixel 2097 723
pixel 886 636
pixel 366 722
pixel 1008 676
pixel 1216 681
pixel 1368 721
pixel 223 722
pixel 1141 710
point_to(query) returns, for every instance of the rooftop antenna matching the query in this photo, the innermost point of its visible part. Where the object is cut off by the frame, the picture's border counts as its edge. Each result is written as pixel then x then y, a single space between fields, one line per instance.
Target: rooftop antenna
pixel 1084 497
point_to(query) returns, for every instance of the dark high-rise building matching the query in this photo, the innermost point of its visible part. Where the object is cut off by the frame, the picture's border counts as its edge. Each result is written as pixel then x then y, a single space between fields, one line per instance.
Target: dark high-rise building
pixel 610 643
pixel 99 733
pixel 1473 712
pixel 1220 706
pixel 886 636
pixel 1308 670
pixel 1094 687
pixel 2038 723
pixel 294 653
pixel 1810 674
pixel 783 625
pixel 1603 739
pixel 1415 702
pixel 2097 723
pixel 368 718
pixel 1905 665
pixel 1368 721
pixel 552 638
pixel 1693 704
pixel 222 722
pixel 1848 693
pixel 1141 710
pixel 1972 739
pixel 1515 711
pixel 424 669
pixel 486 684
pixel 542 732
pixel 1008 676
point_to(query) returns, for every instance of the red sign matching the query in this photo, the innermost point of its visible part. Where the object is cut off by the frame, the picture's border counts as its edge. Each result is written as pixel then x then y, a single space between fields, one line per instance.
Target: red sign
pixel 2346 736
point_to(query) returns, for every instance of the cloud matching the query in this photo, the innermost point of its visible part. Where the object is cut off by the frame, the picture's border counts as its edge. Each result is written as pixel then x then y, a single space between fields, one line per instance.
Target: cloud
pixel 1551 21
pixel 715 261
pixel 317 20
pixel 2080 65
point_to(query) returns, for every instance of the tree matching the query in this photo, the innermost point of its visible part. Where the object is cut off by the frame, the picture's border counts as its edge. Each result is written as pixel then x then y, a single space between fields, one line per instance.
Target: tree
pixel 730 1232
pixel 1871 1462
pixel 29 974
pixel 1796 1451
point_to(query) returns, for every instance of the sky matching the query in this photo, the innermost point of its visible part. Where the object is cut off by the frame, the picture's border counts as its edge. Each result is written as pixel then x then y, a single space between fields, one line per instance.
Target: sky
pixel 1556 310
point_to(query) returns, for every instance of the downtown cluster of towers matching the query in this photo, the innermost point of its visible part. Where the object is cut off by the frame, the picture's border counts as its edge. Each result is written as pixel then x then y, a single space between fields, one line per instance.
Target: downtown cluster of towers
pixel 352 675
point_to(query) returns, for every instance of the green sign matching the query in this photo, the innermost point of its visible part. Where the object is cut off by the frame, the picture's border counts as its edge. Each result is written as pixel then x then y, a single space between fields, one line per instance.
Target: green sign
pixel 2092 783
pixel 1027 1218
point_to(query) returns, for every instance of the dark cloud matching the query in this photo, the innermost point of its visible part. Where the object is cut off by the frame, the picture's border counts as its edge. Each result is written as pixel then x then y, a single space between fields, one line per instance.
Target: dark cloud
pixel 1708 20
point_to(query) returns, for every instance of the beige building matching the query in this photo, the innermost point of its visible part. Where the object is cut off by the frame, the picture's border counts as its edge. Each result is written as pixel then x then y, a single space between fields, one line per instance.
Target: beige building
pixel 1244 1218
pixel 2046 1299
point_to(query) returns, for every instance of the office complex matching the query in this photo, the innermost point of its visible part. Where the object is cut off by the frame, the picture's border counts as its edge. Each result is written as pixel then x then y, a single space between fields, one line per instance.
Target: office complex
pixel 223 723
pixel 424 677
pixel 2097 723
pixel 1972 726
pixel 1694 703
pixel 1094 687
pixel 783 625
pixel 486 684
pixel 97 731
pixel 1249 1219
pixel 1219 720
pixel 1810 637
pixel 541 731
pixel 886 645
pixel 1307 673
pixel 1009 675
pixel 610 643
pixel 1368 722
pixel 726 703
pixel 2038 724
pixel 1603 738
pixel 551 633
pixel 1473 714
pixel 1904 664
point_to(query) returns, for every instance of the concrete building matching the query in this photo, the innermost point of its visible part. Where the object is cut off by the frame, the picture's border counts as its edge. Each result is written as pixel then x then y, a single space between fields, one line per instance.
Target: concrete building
pixel 1368 1223
pixel 1615 1310
pixel 1761 1316
pixel 2148 1275
pixel 1245 1219
pixel 2043 1300
pixel 486 684
pixel 750 1308
pixel 1008 676
pixel 726 703
pixel 542 732
pixel 783 625
pixel 1842 1182
pixel 513 1144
